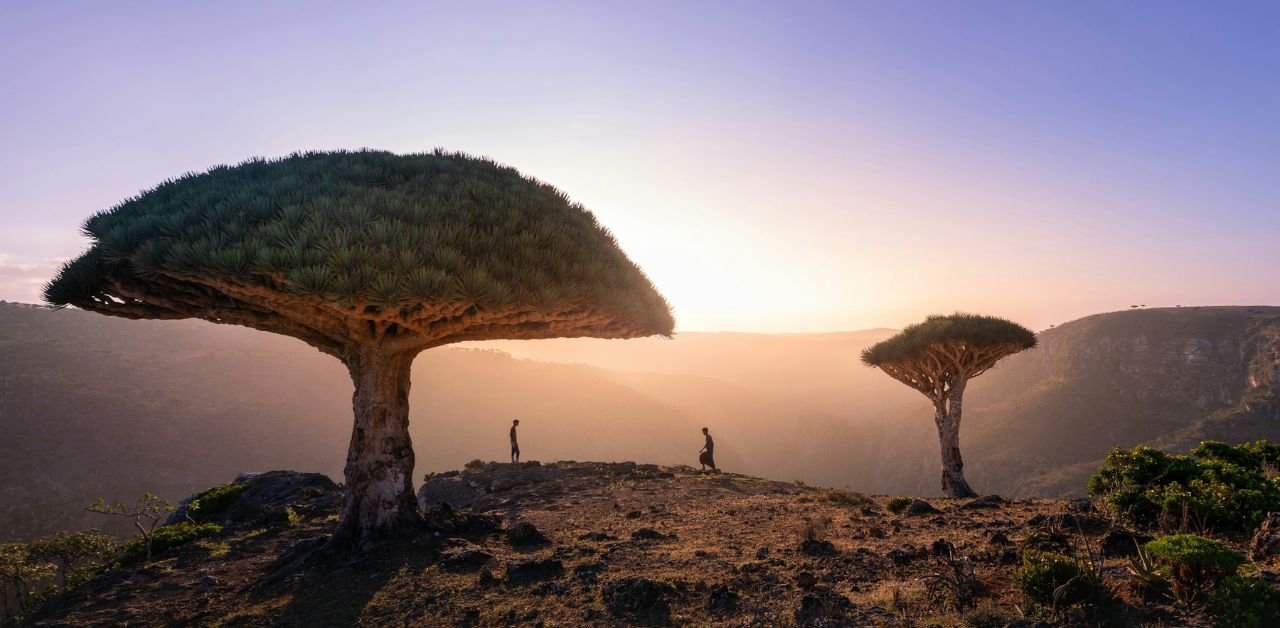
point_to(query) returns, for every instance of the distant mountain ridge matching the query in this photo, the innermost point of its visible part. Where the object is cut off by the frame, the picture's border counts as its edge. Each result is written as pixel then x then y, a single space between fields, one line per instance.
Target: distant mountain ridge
pixel 1169 377
pixel 92 406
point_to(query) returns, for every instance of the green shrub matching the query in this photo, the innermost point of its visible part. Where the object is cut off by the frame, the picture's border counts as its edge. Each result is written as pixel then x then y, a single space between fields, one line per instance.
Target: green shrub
pixel 897 505
pixel 1215 486
pixel 1245 603
pixel 848 499
pixel 166 537
pixel 1055 580
pixel 1195 564
pixel 212 501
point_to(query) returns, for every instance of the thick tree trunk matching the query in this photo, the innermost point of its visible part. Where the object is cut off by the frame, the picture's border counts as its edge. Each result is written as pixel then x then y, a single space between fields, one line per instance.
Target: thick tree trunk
pixel 379 474
pixel 947 418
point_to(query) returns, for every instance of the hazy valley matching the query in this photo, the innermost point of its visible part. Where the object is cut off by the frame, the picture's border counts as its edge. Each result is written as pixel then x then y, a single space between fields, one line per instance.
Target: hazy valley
pixel 97 407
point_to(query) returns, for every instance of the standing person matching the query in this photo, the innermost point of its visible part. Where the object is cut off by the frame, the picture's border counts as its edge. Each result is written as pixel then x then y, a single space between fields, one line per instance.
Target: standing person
pixel 706 457
pixel 515 447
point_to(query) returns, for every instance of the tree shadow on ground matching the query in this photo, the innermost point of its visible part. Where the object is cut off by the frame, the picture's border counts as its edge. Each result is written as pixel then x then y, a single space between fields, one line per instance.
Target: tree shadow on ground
pixel 335 589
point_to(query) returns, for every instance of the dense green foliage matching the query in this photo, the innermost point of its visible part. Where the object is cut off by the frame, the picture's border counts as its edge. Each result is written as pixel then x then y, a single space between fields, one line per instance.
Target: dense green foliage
pixel 1195 551
pixel 1214 486
pixel 70 550
pixel 897 505
pixel 32 572
pixel 1195 564
pixel 841 497
pixel 1055 580
pixel 214 500
pixel 166 537
pixel 365 229
pixel 973 331
pixel 1241 602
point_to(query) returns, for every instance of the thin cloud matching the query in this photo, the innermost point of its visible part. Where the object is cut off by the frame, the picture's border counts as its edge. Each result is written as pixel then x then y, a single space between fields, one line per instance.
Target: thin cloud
pixel 23 280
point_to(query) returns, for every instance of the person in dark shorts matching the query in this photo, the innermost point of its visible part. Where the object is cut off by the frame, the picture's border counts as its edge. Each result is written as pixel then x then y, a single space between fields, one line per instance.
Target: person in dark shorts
pixel 515 446
pixel 706 457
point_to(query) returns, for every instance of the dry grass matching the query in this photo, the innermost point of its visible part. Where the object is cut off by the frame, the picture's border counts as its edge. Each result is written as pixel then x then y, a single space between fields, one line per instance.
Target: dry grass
pixel 731 553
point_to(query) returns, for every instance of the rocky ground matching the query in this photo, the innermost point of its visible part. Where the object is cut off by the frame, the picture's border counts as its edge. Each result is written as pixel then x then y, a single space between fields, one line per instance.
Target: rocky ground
pixel 612 544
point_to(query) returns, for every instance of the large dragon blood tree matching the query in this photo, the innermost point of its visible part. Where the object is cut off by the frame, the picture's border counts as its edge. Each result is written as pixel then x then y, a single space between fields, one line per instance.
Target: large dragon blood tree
pixel 938 358
pixel 370 257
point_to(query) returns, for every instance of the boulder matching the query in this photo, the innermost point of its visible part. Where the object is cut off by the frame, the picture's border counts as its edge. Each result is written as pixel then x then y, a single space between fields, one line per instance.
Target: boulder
pixel 451 488
pixel 638 599
pixel 1081 505
pixel 589 572
pixel 524 534
pixel 815 547
pixel 649 534
pixel 921 507
pixel 1266 540
pixel 525 571
pixel 444 518
pixel 901 556
pixel 989 501
pixel 721 601
pixel 941 547
pixel 824 607
pixel 464 557
pixel 1121 542
pixel 266 499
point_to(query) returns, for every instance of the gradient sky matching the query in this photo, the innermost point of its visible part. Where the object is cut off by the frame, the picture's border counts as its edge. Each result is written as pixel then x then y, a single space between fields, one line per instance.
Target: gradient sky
pixel 773 167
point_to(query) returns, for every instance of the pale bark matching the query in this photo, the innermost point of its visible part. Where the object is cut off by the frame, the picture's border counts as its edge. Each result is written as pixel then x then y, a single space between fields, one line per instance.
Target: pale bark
pixel 379 473
pixel 947 417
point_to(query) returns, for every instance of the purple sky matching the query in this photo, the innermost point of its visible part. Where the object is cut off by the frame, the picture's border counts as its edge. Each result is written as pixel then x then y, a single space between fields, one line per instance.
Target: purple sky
pixel 774 167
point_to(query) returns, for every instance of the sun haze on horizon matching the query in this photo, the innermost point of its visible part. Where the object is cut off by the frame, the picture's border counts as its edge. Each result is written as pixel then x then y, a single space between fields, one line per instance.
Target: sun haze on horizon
pixel 772 169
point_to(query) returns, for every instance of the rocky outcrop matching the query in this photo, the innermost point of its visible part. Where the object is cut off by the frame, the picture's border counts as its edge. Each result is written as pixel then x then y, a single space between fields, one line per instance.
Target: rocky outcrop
pixel 266 499
pixel 489 486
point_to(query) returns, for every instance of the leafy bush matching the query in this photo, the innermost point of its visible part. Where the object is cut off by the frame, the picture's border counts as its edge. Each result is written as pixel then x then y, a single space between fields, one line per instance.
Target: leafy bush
pixel 1195 564
pixel 1055 580
pixel 897 505
pixel 1214 486
pixel 149 508
pixel 20 571
pixel 71 550
pixel 166 537
pixel 1246 603
pixel 849 499
pixel 212 501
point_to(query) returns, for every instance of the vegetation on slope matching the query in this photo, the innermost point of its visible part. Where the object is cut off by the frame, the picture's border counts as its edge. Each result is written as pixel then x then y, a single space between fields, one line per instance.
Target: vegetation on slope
pixel 625 544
